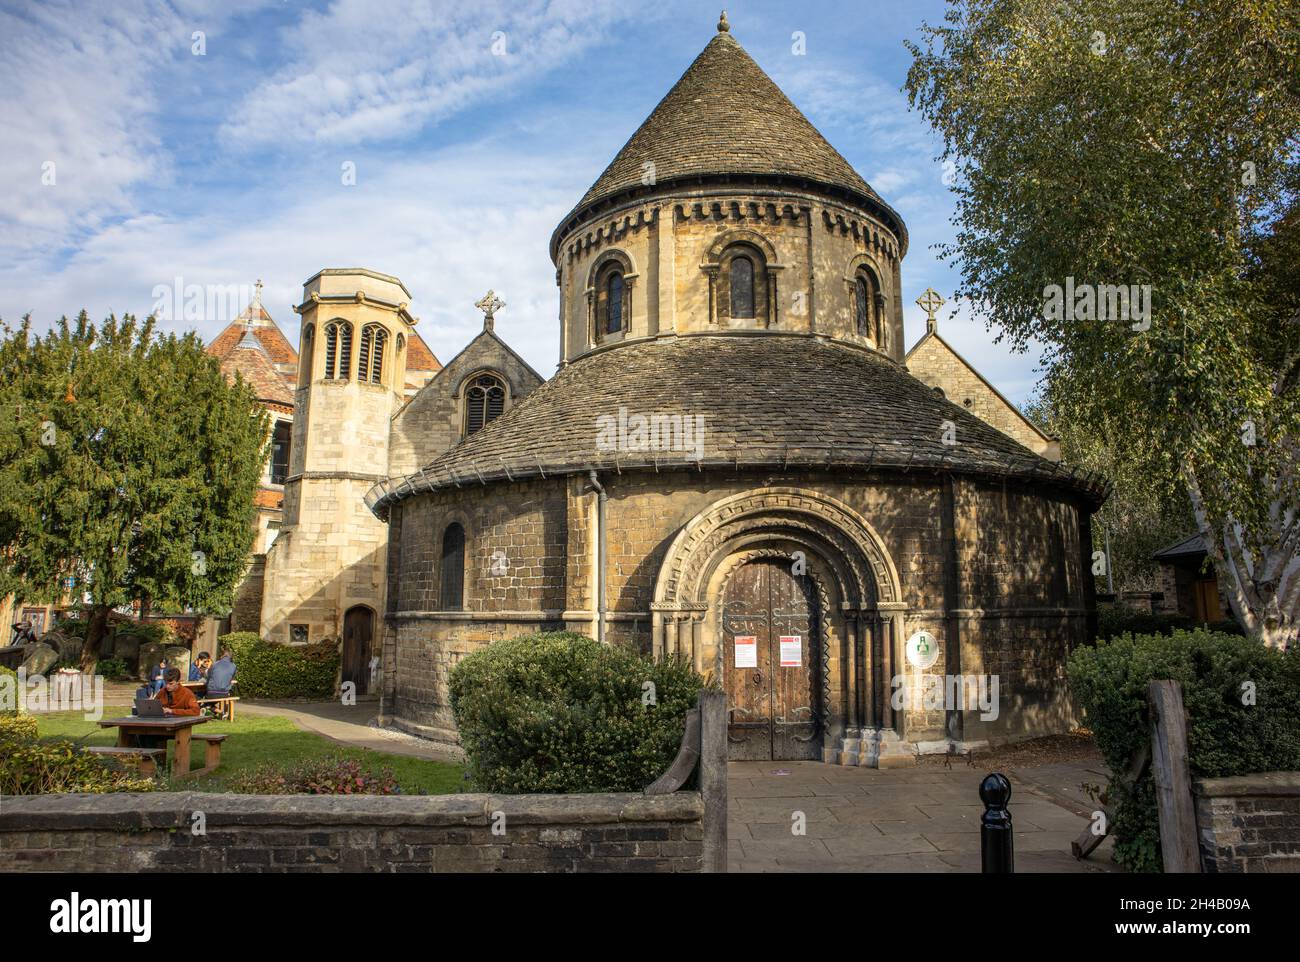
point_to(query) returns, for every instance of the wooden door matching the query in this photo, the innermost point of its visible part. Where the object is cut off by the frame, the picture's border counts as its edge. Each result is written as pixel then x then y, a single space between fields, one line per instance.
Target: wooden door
pixel 771 668
pixel 358 625
pixel 1206 600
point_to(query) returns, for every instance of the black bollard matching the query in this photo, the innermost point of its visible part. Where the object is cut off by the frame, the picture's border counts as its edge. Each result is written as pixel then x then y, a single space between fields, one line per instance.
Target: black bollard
pixel 995 826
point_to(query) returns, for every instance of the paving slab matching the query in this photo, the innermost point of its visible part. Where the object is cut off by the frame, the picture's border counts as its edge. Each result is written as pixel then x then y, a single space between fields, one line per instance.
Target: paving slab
pixel 902 820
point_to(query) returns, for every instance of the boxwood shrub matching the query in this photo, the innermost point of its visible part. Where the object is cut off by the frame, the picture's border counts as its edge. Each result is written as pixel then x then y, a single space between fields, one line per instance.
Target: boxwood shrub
pixel 559 712
pixel 1119 620
pixel 1243 707
pixel 268 670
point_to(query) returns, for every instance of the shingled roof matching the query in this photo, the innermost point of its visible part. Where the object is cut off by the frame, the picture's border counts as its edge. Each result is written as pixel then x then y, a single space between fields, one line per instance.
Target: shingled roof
pixel 781 400
pixel 725 116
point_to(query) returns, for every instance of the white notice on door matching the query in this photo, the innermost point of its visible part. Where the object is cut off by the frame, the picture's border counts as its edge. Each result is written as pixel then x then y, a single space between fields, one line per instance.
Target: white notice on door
pixel 791 651
pixel 746 651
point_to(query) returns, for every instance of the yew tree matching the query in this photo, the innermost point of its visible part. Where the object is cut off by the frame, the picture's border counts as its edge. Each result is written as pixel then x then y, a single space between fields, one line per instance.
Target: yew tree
pixel 1149 143
pixel 128 469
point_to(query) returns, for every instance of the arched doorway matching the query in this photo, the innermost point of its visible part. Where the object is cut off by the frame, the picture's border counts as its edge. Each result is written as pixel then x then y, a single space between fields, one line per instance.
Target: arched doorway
pixel 771 663
pixel 358 629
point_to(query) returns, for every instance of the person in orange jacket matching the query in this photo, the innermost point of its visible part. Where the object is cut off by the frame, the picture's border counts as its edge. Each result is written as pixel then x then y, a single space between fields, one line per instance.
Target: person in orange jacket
pixel 176 698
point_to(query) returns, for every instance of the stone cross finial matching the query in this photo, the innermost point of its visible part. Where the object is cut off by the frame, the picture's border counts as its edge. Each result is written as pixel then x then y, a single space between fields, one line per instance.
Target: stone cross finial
pixel 257 292
pixel 723 26
pixel 930 302
pixel 489 305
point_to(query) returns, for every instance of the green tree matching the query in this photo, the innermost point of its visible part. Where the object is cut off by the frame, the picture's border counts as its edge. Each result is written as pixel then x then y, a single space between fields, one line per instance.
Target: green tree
pixel 1150 144
pixel 128 464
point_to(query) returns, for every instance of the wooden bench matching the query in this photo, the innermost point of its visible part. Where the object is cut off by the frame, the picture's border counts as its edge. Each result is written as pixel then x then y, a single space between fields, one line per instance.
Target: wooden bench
pixel 146 758
pixel 225 706
pixel 211 750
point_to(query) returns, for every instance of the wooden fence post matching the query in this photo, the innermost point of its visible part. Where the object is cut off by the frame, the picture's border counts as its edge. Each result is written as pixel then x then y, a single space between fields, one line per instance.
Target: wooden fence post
pixel 713 776
pixel 1172 775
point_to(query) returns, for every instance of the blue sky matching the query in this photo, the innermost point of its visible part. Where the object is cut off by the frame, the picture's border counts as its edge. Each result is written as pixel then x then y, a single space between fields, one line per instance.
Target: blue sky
pixel 226 167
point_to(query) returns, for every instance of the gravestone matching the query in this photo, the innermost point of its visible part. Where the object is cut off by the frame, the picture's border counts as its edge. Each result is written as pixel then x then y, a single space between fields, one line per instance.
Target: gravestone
pixel 40 659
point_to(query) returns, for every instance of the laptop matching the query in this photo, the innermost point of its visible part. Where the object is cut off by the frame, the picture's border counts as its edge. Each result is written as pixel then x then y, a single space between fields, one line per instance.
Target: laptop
pixel 148 708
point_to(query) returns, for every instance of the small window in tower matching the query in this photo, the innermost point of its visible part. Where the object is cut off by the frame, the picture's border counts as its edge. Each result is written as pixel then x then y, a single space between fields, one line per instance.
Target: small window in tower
pixel 742 287
pixel 614 303
pixel 452 585
pixel 298 634
pixel 860 289
pixel 338 350
pixel 371 353
pixel 280 451
pixel 485 401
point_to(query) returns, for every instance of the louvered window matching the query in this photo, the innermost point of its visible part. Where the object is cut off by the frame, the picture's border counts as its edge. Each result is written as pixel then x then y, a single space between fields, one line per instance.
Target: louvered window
pixel 338 350
pixel 485 401
pixel 371 360
pixel 742 287
pixel 452 587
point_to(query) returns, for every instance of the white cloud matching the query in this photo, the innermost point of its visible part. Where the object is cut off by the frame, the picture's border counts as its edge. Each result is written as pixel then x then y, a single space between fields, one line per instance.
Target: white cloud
pixel 355 75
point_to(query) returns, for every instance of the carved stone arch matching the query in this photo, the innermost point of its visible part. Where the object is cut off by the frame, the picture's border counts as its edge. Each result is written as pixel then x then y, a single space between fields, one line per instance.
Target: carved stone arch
pixel 728 245
pixel 614 257
pixel 741 235
pixel 459 389
pixel 859 263
pixel 770 509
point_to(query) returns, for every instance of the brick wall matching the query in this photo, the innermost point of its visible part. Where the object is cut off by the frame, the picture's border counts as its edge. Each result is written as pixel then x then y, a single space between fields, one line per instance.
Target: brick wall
pixel 309 833
pixel 1249 823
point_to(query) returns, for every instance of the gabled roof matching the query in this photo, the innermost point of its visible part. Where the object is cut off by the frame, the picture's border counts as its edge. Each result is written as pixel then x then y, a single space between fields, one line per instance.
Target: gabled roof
pixel 866 412
pixel 1193 546
pixel 418 355
pixel 725 116
pixel 934 334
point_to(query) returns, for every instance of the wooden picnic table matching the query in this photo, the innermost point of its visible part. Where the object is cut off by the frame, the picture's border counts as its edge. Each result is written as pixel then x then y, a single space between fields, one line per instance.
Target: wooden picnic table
pixel 169 726
pixel 198 687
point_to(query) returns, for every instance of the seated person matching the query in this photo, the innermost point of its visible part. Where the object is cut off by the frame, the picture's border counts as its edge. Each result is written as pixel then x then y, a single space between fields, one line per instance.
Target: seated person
pixel 221 676
pixel 176 698
pixel 199 666
pixel 157 676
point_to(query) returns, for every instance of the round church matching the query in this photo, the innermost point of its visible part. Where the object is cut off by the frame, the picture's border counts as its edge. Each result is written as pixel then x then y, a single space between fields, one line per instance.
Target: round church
pixel 734 465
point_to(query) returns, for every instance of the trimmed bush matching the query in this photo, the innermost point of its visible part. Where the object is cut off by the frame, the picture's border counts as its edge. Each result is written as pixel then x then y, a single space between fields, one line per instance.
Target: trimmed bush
pixel 29 766
pixel 331 775
pixel 1121 619
pixel 559 712
pixel 1243 707
pixel 267 670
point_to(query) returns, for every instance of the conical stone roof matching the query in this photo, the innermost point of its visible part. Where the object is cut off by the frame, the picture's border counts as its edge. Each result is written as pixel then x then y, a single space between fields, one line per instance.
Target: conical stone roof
pixel 765 401
pixel 726 117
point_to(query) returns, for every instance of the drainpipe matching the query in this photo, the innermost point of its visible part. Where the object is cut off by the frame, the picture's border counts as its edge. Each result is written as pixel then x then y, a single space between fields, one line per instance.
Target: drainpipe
pixel 601 497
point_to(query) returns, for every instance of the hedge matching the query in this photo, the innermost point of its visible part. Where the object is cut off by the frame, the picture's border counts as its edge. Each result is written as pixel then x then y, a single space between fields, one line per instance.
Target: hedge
pixel 268 670
pixel 7 708
pixel 559 712
pixel 1243 707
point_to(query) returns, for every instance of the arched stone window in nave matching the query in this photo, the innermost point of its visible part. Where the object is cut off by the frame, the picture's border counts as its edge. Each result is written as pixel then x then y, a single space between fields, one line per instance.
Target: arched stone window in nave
pixel 614 303
pixel 485 401
pixel 370 362
pixel 338 350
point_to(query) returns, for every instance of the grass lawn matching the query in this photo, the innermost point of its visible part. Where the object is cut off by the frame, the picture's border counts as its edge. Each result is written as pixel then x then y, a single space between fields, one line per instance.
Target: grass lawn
pixel 258 740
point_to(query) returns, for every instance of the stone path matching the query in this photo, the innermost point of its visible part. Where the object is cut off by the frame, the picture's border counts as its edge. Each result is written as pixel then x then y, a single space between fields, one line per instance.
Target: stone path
pixel 349 725
pixel 924 819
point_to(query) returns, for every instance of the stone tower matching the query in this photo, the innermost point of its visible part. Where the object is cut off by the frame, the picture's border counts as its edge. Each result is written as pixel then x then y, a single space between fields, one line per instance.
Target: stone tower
pixel 325 572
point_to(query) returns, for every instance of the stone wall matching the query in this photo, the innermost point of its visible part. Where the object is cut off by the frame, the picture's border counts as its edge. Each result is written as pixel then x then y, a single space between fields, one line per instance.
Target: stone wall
pixel 931 360
pixel 312 833
pixel 995 571
pixel 1249 823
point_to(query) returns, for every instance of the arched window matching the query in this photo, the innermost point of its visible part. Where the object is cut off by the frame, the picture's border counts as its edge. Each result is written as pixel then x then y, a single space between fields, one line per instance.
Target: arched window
pixel 371 360
pixel 305 355
pixel 614 303
pixel 742 287
pixel 485 400
pixel 451 595
pixel 862 305
pixel 338 350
